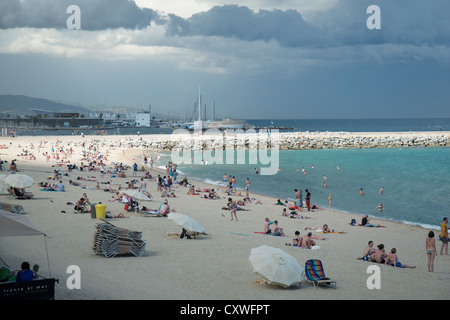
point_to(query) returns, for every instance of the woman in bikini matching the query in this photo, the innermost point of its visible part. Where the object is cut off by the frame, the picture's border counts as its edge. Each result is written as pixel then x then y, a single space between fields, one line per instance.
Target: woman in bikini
pixel 392 259
pixel 297 240
pixel 430 245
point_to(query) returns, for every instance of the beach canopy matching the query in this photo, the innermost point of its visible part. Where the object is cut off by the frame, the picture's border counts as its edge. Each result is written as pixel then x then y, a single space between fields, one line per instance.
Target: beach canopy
pixel 12 225
pixel 19 180
pixel 136 194
pixel 186 222
pixel 275 266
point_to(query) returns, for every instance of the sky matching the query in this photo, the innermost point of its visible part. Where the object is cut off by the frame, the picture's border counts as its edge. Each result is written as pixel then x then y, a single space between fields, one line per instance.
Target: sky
pixel 253 59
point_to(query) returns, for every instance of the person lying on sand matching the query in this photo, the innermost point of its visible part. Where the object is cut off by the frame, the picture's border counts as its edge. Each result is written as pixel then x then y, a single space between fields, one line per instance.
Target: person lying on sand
pixel 295 215
pixel 109 215
pixel 251 200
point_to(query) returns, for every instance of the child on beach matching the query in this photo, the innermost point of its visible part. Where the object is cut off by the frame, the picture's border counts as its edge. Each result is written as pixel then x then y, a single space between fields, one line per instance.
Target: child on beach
pixel 233 208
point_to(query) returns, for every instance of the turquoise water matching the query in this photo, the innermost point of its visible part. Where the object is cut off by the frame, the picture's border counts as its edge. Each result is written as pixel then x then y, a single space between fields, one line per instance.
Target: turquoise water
pixel 416 180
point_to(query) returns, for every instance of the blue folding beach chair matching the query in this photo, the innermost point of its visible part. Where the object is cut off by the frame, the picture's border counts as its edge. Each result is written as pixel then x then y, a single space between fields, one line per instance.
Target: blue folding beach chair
pixel 314 272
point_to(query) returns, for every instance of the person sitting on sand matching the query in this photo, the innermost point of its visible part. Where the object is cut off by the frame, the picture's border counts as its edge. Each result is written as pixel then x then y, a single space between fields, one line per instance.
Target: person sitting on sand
pixel 13 167
pixel 380 255
pixel 392 260
pixel 307 242
pixel 192 191
pixel 368 251
pixel 365 222
pixel 275 230
pixel 86 199
pixel 80 206
pixel 60 187
pixel 164 209
pixel 267 224
pixel 297 240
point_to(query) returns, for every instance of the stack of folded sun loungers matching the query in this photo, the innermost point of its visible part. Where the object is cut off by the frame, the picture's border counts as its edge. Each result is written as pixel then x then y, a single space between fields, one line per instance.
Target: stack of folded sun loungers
pixel 110 241
pixel 12 208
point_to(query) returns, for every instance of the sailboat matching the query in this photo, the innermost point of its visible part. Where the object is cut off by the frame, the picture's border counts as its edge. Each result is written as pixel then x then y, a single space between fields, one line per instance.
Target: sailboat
pixel 225 123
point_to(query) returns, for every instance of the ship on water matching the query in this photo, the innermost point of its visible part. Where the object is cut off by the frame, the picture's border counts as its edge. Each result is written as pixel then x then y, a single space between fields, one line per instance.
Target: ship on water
pixel 225 123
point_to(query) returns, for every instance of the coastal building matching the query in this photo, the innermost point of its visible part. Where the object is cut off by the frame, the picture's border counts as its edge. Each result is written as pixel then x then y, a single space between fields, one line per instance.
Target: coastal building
pixel 143 119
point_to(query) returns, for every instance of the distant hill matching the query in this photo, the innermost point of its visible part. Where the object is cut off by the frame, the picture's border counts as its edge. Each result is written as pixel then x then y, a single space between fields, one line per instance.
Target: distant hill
pixel 20 104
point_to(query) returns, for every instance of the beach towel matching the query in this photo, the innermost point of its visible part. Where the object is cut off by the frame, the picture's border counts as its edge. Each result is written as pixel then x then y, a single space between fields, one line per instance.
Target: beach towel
pixel 335 232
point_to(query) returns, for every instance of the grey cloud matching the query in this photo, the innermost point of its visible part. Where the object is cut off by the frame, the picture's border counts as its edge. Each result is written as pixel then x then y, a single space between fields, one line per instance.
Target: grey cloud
pixel 412 22
pixel 409 22
pixel 286 27
pixel 95 15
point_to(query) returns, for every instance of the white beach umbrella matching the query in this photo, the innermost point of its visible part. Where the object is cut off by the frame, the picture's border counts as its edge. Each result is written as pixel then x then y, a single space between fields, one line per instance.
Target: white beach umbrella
pixel 275 266
pixel 19 180
pixel 136 194
pixel 186 222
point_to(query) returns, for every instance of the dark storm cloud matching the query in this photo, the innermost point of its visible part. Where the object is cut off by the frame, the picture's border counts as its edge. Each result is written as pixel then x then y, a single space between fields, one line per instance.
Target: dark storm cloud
pixel 409 22
pixel 95 15
pixel 232 21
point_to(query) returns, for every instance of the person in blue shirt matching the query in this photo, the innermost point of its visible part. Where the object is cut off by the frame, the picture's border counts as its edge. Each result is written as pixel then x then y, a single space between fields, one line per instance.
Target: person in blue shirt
pixel 135 169
pixel 25 274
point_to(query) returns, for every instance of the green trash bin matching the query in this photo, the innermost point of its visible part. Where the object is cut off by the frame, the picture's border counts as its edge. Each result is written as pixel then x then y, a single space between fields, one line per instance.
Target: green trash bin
pixel 93 212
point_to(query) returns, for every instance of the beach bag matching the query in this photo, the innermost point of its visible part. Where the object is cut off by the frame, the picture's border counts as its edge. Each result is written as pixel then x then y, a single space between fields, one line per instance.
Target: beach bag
pixel 126 207
pixel 353 222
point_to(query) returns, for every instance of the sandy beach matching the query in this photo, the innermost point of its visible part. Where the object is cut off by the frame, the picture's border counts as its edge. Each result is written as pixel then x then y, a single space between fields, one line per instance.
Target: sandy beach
pixel 214 268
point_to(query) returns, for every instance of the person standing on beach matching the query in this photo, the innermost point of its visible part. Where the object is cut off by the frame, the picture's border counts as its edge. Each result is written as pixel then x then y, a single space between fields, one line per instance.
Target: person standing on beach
pixel 233 183
pixel 247 185
pixel 297 199
pixel 308 200
pixel 232 207
pixel 430 246
pixel 444 236
pixel 329 201
pixel 135 169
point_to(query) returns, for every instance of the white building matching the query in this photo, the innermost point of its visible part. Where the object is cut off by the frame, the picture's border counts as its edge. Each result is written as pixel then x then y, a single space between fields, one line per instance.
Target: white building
pixel 143 119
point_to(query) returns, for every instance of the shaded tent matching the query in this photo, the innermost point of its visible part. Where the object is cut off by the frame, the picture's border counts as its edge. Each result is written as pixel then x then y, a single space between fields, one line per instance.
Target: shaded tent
pixel 12 225
pixel 15 225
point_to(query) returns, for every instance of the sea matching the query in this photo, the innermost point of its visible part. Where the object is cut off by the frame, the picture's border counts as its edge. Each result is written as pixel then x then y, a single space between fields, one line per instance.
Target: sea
pixel 416 181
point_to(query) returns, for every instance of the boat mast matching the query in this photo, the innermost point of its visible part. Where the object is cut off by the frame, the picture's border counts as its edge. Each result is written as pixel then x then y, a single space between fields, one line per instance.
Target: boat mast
pixel 199 105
